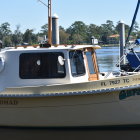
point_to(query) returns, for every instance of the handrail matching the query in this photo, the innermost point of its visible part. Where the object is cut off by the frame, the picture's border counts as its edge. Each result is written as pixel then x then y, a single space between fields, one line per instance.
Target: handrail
pixel 138 60
pixel 121 59
pixel 137 68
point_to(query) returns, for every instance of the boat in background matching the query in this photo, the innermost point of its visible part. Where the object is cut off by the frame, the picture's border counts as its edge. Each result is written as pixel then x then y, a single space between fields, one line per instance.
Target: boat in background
pixel 132 49
pixel 52 85
pixel 132 57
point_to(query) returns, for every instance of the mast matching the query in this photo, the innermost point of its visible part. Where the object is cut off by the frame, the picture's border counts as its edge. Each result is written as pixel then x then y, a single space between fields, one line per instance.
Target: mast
pixel 133 21
pixel 49 6
pixel 49 22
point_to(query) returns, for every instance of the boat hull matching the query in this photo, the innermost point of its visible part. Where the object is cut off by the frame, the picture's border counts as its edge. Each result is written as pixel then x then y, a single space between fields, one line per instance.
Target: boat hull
pixel 108 102
pixel 106 109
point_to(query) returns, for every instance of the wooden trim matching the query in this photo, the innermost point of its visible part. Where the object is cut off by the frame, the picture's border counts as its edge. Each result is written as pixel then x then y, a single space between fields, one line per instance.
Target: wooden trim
pixel 94 59
pixel 92 77
pixel 26 46
pixel 87 68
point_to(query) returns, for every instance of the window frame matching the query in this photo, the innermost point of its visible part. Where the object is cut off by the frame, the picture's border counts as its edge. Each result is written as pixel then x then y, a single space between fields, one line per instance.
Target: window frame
pixel 24 75
pixel 90 62
pixel 77 75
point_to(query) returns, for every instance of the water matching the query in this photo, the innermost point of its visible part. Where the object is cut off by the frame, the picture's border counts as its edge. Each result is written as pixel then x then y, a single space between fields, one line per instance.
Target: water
pixel 107 58
pixel 69 134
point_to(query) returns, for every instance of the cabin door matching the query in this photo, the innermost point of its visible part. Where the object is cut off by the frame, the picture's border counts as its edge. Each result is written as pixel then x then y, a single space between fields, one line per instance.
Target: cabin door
pixel 92 66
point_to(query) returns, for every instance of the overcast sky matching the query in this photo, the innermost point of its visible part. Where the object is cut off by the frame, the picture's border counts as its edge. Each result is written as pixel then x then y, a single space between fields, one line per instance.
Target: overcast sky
pixel 32 14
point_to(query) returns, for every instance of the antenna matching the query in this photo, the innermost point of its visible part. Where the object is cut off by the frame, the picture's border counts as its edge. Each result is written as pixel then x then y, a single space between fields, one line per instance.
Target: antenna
pixel 49 22
pixel 133 21
pixel 49 6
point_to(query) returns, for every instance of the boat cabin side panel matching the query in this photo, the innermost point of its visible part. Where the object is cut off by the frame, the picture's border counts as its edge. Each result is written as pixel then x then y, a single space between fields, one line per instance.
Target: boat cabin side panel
pixel 35 67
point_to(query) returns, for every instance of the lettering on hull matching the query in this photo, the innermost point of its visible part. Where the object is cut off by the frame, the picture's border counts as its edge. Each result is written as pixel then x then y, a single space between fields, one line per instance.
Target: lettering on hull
pixel 115 82
pixel 8 102
pixel 128 93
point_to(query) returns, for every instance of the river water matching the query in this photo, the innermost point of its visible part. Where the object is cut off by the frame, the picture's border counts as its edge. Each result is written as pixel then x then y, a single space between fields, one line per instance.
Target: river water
pixel 107 59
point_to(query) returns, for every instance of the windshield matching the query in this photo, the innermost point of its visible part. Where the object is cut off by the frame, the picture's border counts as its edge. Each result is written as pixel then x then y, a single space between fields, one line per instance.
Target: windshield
pixel 77 63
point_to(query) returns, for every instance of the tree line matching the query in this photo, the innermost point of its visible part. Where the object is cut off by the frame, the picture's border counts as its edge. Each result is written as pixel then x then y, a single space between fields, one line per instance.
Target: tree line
pixel 77 33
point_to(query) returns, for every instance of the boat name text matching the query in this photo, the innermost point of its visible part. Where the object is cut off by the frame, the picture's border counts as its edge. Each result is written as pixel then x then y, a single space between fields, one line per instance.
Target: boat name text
pixel 136 79
pixel 128 93
pixel 8 102
pixel 114 82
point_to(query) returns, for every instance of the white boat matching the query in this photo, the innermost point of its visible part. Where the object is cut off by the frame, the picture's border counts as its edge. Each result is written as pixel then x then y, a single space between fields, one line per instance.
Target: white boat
pixel 62 87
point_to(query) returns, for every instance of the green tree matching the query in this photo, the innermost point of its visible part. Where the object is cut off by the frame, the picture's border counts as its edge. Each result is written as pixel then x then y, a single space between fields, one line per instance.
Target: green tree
pixel 27 36
pixel 17 36
pixel 44 30
pixel 34 38
pixel 136 27
pixel 135 30
pixel 7 41
pixel 127 28
pixel 94 30
pixel 64 37
pixel 78 32
pixel 5 29
pixel 138 34
pixel 107 29
pixel 5 34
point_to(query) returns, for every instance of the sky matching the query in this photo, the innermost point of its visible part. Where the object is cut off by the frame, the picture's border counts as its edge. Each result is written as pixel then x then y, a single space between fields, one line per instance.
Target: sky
pixel 31 14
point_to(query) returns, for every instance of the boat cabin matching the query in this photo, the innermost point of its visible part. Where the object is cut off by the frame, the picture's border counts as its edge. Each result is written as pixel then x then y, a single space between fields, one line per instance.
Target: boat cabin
pixel 48 66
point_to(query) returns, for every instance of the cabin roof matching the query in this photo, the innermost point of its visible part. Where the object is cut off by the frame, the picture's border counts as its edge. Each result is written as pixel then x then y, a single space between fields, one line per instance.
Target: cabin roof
pixel 60 47
pixel 77 47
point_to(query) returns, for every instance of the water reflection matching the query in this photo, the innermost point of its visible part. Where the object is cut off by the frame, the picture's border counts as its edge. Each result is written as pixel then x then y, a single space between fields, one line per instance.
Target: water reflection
pixel 107 59
pixel 69 134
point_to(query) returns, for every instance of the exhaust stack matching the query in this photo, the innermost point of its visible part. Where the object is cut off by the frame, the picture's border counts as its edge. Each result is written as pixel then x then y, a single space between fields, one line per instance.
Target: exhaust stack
pixel 55 30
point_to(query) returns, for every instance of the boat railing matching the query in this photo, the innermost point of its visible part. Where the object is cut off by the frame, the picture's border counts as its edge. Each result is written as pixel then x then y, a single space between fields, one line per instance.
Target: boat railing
pixel 107 75
pixel 137 69
pixel 138 60
pixel 136 55
pixel 121 60
pixel 134 61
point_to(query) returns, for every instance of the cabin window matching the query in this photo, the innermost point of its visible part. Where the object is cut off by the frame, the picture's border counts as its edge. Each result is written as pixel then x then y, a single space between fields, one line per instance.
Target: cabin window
pixel 41 65
pixel 77 63
pixel 90 62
